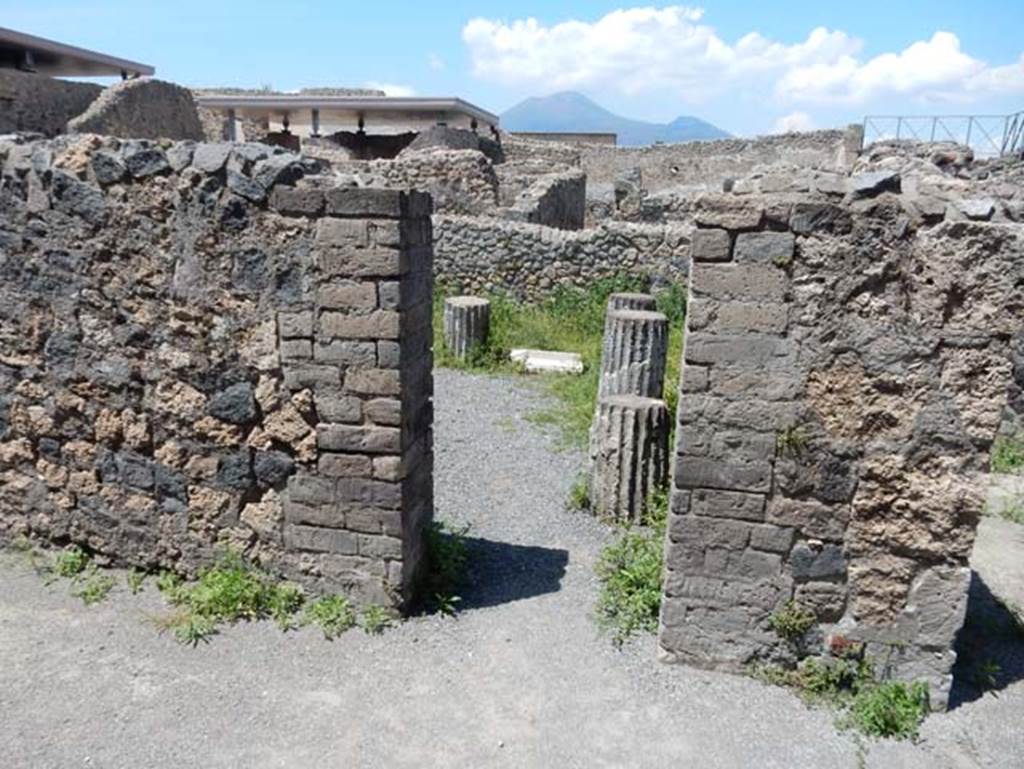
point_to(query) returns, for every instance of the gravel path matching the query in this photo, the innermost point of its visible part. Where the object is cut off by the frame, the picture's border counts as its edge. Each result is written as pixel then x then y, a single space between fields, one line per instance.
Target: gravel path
pixel 519 679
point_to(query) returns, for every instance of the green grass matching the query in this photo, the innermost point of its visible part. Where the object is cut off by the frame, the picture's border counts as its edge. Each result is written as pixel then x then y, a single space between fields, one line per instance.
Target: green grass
pixel 375 619
pixel 92 586
pixel 890 709
pixel 791 622
pixel 447 566
pixel 872 707
pixel 630 572
pixel 1008 454
pixel 333 614
pixel 70 562
pixel 569 320
pixel 233 590
pixel 579 494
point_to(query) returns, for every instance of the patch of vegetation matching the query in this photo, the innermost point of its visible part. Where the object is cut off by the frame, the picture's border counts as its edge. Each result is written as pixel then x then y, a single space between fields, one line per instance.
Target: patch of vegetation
pixel 791 441
pixel 890 709
pixel 579 495
pixel 375 619
pixel 92 586
pixel 70 562
pixel 792 621
pixel 874 708
pixel 229 591
pixel 447 566
pixel 135 579
pixel 1013 510
pixel 570 320
pixel 333 614
pixel 630 571
pixel 1008 454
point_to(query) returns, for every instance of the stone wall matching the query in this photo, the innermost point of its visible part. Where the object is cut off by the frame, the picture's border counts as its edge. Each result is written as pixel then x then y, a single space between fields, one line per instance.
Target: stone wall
pixel 30 102
pixel 710 162
pixel 554 200
pixel 194 353
pixel 481 254
pixel 142 108
pixel 845 370
pixel 459 181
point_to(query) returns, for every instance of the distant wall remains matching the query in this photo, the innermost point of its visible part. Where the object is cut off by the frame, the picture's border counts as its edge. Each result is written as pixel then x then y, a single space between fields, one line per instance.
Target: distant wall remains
pixel 142 109
pixel 554 200
pixel 481 254
pixel 195 353
pixel 30 102
pixel 844 374
pixel 608 139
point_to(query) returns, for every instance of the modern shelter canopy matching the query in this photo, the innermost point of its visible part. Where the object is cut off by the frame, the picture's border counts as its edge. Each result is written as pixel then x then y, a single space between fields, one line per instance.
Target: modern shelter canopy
pixel 48 57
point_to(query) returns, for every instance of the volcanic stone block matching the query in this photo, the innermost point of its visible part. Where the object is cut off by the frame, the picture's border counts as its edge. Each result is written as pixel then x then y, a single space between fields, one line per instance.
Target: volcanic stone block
pixel 467 321
pixel 629 454
pixel 635 349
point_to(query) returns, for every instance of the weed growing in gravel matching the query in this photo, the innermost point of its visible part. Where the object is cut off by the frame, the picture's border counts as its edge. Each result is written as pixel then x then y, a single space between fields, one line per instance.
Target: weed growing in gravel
pixel 571 320
pixel 135 579
pixel 1008 454
pixel 229 591
pixel 630 571
pixel 872 707
pixel 70 562
pixel 333 614
pixel 890 709
pixel 579 495
pixel 375 619
pixel 92 586
pixel 447 565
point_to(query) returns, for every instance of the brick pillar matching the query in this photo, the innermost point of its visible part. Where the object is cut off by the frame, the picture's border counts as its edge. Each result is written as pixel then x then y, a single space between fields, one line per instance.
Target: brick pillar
pixel 363 348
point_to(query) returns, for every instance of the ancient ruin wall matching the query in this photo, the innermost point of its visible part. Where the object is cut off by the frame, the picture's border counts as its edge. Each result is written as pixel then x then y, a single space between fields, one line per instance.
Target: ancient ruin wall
pixel 482 254
pixel 142 109
pixel 844 375
pixel 195 354
pixel 30 102
pixel 554 200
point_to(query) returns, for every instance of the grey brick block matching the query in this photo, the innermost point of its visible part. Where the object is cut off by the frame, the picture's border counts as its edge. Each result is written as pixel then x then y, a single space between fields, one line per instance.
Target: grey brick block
pixel 711 246
pixel 384 411
pixel 379 324
pixel 374 381
pixel 332 406
pixel 295 324
pixel 293 201
pixel 310 489
pixel 727 504
pixel 319 540
pixel 296 349
pixel 362 262
pixel 734 281
pixel 359 438
pixel 764 248
pixel 379 547
pixel 346 353
pixel 345 465
pixel 348 295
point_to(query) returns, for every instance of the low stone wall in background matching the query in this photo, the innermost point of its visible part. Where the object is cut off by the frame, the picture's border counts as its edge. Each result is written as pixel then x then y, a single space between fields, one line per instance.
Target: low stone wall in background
pixel 554 200
pixel 845 371
pixel 142 108
pixel 196 354
pixel 481 254
pixel 30 102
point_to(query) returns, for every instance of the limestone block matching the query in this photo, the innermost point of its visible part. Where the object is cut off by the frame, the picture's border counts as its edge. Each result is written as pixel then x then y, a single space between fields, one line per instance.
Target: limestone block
pixel 467 321
pixel 629 454
pixel 547 361
pixel 634 352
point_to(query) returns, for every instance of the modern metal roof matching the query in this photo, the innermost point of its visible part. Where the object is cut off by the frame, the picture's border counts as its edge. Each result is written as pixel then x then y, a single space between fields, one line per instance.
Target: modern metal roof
pixel 48 57
pixel 349 107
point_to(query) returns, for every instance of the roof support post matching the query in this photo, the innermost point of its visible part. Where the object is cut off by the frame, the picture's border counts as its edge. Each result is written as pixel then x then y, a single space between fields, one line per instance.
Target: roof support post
pixel 316 122
pixel 232 129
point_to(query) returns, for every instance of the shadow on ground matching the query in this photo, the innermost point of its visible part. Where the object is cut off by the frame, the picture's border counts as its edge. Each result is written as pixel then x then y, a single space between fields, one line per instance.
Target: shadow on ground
pixel 990 647
pixel 500 572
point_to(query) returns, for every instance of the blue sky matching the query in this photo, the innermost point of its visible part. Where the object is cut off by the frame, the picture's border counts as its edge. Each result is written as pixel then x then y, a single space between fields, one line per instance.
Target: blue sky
pixel 748 67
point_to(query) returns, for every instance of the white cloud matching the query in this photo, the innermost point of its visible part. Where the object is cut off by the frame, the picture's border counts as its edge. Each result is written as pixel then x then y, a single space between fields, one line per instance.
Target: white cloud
pixel 648 49
pixel 794 121
pixel 391 89
pixel 435 62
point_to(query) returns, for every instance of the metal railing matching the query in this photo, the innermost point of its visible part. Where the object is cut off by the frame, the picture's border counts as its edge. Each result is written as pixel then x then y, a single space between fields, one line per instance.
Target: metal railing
pixel 987 135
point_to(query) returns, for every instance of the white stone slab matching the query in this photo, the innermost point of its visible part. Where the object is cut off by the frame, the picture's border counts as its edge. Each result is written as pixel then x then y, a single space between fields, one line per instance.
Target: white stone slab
pixel 548 361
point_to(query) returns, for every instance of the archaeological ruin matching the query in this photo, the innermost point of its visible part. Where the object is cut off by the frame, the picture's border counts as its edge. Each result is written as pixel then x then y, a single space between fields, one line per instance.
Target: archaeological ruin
pixel 209 342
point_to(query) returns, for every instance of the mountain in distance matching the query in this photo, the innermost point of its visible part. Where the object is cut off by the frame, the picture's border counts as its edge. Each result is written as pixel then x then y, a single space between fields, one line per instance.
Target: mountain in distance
pixel 570 112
